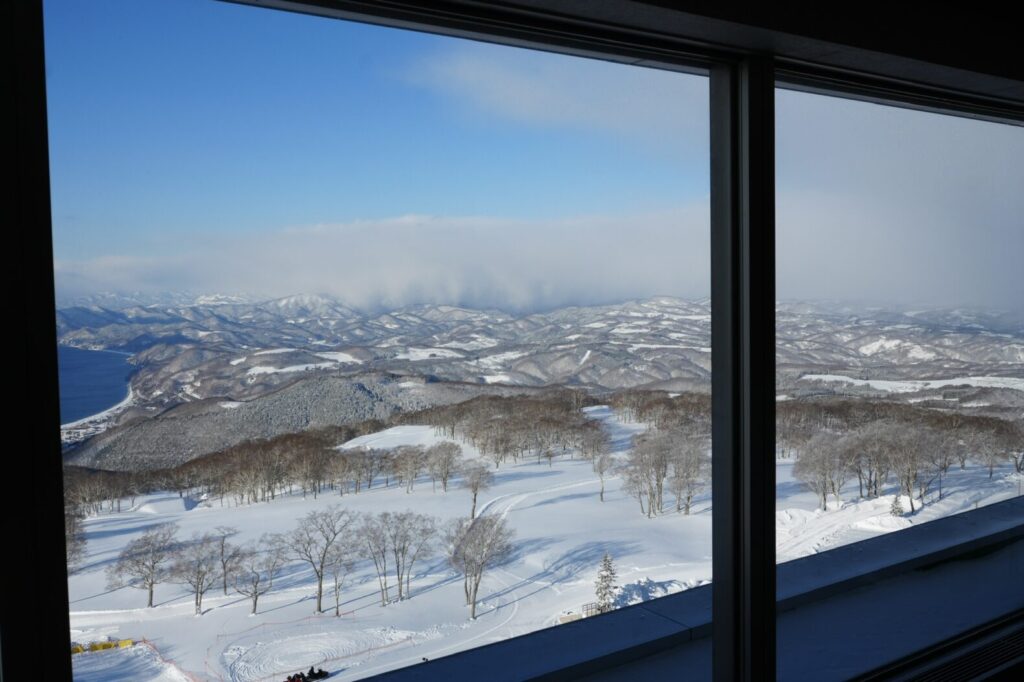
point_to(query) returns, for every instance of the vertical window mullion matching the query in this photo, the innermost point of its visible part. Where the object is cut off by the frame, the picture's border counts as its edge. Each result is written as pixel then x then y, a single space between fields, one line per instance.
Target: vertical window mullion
pixel 743 369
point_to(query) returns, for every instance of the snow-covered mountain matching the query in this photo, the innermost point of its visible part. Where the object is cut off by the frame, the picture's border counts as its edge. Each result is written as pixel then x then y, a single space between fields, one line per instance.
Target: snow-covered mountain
pixel 216 347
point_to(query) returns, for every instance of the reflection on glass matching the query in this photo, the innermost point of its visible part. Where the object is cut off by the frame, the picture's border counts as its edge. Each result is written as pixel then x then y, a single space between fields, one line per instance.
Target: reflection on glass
pixel 899 378
pixel 375 346
pixel 900 362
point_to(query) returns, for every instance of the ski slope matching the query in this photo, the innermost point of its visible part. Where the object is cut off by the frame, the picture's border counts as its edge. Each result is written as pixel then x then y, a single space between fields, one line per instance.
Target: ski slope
pixel 562 531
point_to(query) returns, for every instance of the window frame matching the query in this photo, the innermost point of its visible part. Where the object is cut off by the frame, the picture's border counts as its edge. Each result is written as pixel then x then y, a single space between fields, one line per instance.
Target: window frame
pixel 743 76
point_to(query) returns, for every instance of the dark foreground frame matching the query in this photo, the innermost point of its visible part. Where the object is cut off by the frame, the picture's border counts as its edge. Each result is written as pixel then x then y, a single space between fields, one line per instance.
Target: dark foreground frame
pixel 746 55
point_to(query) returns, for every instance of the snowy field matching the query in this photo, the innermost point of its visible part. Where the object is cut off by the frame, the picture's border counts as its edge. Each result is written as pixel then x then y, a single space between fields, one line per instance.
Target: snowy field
pixel 562 531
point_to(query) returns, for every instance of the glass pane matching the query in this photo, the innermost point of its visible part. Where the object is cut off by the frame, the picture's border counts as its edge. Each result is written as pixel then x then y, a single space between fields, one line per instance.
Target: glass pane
pixel 375 345
pixel 900 334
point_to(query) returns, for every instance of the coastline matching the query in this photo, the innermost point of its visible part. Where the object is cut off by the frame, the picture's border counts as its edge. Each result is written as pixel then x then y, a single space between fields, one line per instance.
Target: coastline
pixel 105 414
pixel 93 423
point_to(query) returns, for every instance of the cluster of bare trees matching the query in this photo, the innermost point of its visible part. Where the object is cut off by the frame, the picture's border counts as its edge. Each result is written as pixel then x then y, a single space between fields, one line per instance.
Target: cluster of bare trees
pixel 512 428
pixel 915 448
pixel 328 541
pixel 663 410
pixel 675 454
pixel 395 541
pixel 675 451
pixel 89 492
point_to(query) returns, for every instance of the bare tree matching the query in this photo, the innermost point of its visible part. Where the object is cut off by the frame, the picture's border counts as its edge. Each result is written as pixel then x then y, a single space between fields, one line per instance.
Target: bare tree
pixel 74 537
pixel 339 565
pixel 144 562
pixel 1016 446
pixel 646 467
pixel 821 467
pixel 475 545
pixel 195 565
pixel 410 460
pixel 377 546
pixel 872 443
pixel 310 467
pixel 690 468
pixel 998 440
pixel 633 483
pixel 314 538
pixel 258 566
pixel 443 461
pixel 907 450
pixel 228 553
pixel 602 463
pixel 409 536
pixel 475 478
pixel 399 528
pixel 424 536
pixel 594 443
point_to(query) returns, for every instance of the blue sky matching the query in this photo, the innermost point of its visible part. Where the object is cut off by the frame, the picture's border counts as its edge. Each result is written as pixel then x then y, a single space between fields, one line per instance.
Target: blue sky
pixel 205 146
pixel 175 117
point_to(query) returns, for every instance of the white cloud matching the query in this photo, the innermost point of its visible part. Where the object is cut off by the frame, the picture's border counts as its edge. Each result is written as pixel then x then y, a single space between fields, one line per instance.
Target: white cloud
pixel 897 206
pixel 481 261
pixel 665 111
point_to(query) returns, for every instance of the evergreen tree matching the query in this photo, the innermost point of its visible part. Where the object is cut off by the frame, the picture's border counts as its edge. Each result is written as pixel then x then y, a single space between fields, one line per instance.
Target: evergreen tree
pixel 605 585
pixel 897 506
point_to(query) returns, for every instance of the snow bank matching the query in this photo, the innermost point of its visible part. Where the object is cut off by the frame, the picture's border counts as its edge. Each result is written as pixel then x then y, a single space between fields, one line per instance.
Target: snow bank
pixel 140 662
pixel 646 589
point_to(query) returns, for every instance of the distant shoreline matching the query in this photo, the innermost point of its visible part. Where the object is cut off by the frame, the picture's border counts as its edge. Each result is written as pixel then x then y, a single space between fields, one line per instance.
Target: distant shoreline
pixel 105 414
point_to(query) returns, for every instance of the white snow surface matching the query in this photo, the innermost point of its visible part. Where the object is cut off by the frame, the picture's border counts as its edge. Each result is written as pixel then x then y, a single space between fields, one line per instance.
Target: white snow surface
pixel 339 356
pixel 912 386
pixel 264 369
pixel 912 350
pixel 416 354
pixel 139 662
pixel 562 532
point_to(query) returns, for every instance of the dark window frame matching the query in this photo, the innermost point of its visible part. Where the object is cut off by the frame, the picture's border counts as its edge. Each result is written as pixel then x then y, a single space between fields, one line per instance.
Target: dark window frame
pixel 744 69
